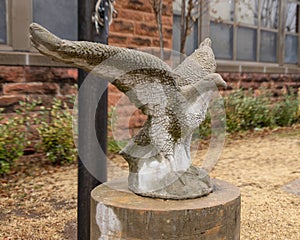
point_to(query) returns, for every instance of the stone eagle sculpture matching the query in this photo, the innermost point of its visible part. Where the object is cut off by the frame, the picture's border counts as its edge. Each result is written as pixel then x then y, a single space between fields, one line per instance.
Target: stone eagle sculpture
pixel 174 100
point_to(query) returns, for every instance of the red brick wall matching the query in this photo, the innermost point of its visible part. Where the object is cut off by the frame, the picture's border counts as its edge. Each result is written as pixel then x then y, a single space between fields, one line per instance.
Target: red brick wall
pixel 277 83
pixel 135 25
pixel 18 83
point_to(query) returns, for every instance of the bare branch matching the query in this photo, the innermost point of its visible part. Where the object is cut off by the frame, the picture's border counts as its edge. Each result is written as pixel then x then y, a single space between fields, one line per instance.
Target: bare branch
pixel 185 23
pixel 157 7
pixel 182 26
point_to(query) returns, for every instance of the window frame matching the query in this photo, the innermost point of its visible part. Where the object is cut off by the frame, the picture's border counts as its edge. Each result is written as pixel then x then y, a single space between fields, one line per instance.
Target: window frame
pixel 6 21
pixel 235 65
pixel 18 50
pixel 297 33
pixel 7 45
pixel 19 16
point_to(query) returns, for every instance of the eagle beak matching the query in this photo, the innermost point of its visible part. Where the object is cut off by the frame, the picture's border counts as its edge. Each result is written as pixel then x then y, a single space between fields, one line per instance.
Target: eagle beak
pixel 41 36
pixel 217 79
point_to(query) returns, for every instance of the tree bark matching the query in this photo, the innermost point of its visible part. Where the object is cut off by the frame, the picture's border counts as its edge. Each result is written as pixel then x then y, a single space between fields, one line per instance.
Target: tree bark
pixel 157 7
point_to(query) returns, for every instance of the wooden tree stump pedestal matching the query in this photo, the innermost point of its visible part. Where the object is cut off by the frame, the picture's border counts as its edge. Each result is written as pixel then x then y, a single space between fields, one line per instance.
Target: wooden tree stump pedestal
pixel 117 213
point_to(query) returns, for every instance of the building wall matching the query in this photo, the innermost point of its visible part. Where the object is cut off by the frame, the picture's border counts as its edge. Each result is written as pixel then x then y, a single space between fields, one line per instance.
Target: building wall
pixel 278 84
pixel 135 25
pixel 20 82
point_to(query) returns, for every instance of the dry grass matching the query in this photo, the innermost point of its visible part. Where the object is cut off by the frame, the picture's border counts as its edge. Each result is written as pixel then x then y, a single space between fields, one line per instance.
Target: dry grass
pixel 39 202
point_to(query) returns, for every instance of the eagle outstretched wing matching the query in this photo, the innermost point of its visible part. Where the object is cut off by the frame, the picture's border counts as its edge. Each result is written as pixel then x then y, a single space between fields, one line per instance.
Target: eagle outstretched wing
pixel 163 94
pixel 133 72
pixel 145 79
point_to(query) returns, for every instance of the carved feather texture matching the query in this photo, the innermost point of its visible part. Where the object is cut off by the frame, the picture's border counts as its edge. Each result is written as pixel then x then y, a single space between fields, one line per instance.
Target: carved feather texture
pixel 175 101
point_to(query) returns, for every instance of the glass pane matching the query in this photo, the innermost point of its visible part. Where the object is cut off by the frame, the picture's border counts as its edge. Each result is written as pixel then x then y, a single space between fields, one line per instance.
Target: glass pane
pixel 291 49
pixel 247 12
pixel 222 39
pixel 291 17
pixel 2 21
pixel 176 33
pixel 178 3
pixel 60 17
pixel 246 44
pixel 222 10
pixel 270 13
pixel 191 42
pixel 268 43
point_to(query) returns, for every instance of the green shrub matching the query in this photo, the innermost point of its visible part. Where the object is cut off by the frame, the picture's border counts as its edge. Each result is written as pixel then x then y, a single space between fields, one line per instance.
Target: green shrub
pixel 12 142
pixel 113 146
pixel 204 130
pixel 244 111
pixel 286 112
pixel 214 122
pixel 247 112
pixel 56 134
pixel 15 134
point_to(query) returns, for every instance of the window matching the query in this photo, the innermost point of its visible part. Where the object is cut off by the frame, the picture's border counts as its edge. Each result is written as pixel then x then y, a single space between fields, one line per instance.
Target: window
pixel 3 22
pixel 268 52
pixel 246 44
pixel 223 40
pixel 291 33
pixel 221 29
pixel 249 31
pixel 253 26
pixel 268 24
pixel 192 39
pixel 60 17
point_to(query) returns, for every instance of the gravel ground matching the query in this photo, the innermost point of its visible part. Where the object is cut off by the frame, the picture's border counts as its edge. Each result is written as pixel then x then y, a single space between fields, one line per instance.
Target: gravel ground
pixel 41 202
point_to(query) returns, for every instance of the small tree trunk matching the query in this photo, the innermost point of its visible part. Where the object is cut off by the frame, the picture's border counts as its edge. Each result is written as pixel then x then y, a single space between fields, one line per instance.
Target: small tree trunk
pixel 157 7
pixel 182 27
pixel 185 23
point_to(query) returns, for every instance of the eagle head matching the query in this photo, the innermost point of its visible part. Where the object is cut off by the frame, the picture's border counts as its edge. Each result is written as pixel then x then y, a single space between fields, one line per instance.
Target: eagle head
pixel 205 57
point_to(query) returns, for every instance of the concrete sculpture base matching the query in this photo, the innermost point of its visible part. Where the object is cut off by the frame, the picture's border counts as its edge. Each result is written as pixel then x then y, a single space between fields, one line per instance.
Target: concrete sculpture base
pixel 117 213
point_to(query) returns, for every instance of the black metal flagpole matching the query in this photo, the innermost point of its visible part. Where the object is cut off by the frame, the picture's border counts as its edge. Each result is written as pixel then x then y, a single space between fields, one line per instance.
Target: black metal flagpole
pixel 86 182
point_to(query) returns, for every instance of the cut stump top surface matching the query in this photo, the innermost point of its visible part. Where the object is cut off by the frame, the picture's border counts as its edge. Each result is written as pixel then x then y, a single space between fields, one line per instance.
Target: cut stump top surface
pixel 115 193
